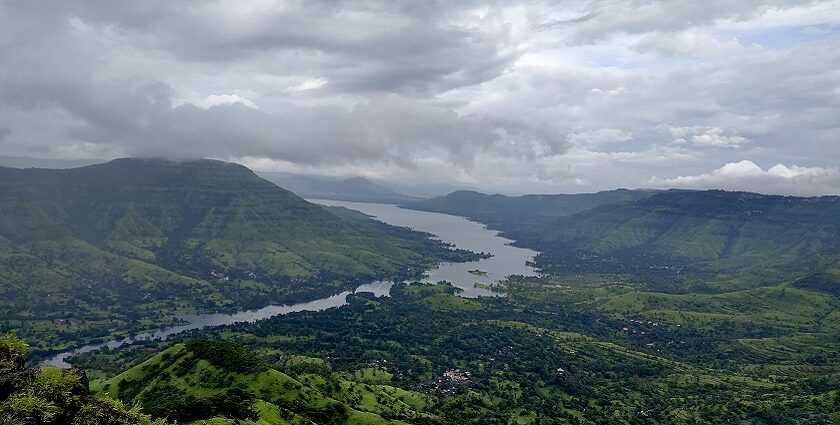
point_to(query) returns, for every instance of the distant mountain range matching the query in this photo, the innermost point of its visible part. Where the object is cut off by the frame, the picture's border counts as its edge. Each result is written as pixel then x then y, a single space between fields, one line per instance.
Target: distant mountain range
pixel 358 189
pixel 521 213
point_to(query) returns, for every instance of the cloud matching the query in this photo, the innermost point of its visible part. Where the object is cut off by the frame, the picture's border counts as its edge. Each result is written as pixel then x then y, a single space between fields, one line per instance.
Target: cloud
pixel 705 136
pixel 604 19
pixel 600 136
pixel 685 43
pixel 378 47
pixel 748 176
pixel 387 129
pixel 222 99
pixel 538 95
pixel 107 97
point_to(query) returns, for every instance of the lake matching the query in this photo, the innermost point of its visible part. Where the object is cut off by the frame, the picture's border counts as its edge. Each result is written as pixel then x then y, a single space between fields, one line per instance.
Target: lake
pixel 507 260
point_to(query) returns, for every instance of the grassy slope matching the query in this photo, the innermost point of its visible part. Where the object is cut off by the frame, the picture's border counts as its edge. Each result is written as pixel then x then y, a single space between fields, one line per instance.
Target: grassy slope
pixel 120 242
pixel 709 225
pixel 715 240
pixel 277 397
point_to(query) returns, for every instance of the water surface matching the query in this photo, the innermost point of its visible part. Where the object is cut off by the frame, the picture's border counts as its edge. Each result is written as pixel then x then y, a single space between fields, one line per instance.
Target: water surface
pixel 507 260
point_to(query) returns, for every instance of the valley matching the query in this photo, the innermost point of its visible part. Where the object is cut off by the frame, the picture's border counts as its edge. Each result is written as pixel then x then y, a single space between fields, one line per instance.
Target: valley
pixel 275 212
pixel 655 328
pixel 130 245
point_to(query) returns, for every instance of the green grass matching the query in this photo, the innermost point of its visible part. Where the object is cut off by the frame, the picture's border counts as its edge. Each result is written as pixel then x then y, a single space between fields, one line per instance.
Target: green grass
pixel 276 395
pixel 778 306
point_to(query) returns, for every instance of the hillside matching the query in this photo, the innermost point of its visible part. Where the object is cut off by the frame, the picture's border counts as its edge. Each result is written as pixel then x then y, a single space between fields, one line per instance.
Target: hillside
pixel 224 382
pixel 88 251
pixel 357 189
pixel 724 230
pixel 521 214
pixel 737 239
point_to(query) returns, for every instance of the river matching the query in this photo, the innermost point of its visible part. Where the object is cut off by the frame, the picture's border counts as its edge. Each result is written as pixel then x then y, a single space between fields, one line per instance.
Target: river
pixel 507 260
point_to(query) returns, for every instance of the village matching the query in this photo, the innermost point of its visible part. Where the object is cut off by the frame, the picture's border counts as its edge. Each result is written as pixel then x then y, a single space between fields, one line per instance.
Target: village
pixel 448 383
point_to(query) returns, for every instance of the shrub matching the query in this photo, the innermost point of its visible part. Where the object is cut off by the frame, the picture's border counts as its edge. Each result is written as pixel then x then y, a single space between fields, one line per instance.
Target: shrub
pixel 227 355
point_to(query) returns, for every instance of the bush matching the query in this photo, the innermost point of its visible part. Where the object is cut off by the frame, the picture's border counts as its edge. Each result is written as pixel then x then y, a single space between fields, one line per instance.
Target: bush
pixel 227 355
pixel 12 351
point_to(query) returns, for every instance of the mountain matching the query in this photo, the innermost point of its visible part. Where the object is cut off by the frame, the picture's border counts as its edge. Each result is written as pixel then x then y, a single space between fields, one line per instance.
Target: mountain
pixel 357 189
pixel 98 249
pixel 727 230
pixel 707 225
pixel 659 234
pixel 431 190
pixel 520 214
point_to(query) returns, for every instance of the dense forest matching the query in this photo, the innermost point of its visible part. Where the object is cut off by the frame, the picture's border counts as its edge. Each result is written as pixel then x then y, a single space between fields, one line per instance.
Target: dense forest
pixel 549 352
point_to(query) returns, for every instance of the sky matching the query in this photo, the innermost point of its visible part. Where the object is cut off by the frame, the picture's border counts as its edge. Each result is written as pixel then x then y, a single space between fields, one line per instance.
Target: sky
pixel 511 97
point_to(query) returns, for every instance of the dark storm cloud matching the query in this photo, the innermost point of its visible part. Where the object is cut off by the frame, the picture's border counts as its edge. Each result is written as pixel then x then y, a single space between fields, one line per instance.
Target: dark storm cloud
pixel 137 118
pixel 388 129
pixel 59 71
pixel 357 46
pixel 539 95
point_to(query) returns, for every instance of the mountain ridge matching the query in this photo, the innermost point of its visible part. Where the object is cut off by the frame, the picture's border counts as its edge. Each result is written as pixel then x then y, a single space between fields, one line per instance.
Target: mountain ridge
pixel 136 240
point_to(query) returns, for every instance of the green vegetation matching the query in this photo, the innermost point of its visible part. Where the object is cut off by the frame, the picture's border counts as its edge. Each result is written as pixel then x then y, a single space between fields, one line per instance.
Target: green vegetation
pixel 53 396
pixel 673 241
pixel 669 307
pixel 203 380
pixel 108 248
pixel 551 351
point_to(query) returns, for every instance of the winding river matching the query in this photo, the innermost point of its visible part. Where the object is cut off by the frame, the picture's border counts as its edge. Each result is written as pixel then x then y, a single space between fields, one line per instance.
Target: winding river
pixel 507 260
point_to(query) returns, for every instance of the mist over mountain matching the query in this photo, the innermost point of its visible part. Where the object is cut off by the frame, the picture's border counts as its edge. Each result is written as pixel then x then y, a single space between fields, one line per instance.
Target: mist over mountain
pixel 357 189
pixel 32 162
pixel 527 211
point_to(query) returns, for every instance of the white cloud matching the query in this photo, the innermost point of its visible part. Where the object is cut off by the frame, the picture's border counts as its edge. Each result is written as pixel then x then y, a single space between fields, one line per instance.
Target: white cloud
pixel 600 136
pixel 222 99
pixel 705 136
pixel 746 175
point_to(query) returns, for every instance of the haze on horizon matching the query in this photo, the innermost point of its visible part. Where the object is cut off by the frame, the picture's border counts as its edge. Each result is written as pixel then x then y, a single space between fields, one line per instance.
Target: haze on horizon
pixel 540 96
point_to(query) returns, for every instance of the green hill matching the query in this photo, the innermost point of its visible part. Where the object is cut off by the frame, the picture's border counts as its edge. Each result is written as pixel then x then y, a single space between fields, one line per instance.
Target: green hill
pixel 722 231
pixel 222 382
pixel 516 215
pixel 89 251
pixel 664 234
